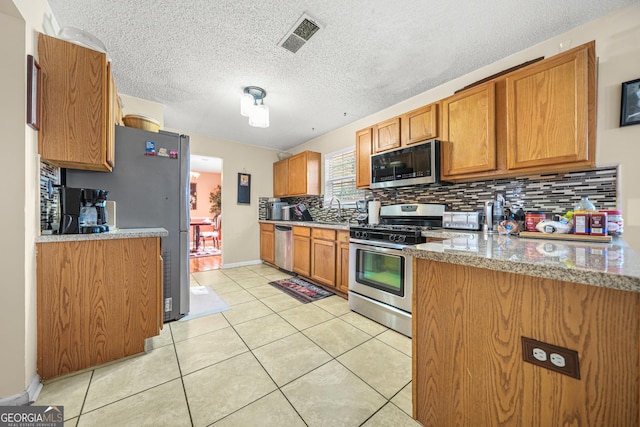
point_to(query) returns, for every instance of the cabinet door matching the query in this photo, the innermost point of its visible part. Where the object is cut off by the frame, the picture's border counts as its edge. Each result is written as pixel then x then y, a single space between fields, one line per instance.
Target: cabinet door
pixel 297 174
pixel 342 262
pixel 323 261
pixel 267 243
pixel 468 131
pixel 75 108
pixel 302 255
pixel 304 174
pixel 280 171
pixel 98 300
pixel 387 135
pixel 550 111
pixel 420 124
pixel 364 141
pixel 112 119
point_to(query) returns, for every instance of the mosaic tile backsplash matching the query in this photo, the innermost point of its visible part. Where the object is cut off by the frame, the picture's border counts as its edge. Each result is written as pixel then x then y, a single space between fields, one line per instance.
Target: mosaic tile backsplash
pixel 550 193
pixel 48 206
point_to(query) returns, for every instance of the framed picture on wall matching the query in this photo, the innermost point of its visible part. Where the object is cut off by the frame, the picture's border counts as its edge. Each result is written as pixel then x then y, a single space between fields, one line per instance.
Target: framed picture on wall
pixel 244 188
pixel 34 83
pixel 630 104
pixel 193 196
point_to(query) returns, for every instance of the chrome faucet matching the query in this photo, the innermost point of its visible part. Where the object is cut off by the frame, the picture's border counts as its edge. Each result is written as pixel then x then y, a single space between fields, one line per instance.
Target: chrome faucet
pixel 339 216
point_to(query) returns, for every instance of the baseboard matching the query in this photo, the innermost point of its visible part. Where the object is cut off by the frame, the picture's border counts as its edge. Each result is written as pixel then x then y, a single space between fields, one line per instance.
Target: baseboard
pixel 28 396
pixel 242 264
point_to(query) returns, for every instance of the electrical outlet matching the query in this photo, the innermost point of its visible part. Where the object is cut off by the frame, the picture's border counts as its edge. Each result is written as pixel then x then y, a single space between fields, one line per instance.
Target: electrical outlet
pixel 540 354
pixel 558 359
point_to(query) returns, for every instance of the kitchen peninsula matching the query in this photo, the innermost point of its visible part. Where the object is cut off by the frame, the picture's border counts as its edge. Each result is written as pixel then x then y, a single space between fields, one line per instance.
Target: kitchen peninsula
pixel 99 297
pixel 476 296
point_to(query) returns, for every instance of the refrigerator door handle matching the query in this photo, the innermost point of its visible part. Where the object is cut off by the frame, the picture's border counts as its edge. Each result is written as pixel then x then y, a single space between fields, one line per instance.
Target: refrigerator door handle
pixel 185 190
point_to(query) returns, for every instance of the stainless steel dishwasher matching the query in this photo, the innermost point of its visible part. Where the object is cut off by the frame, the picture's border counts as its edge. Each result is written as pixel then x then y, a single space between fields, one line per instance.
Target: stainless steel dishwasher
pixel 284 247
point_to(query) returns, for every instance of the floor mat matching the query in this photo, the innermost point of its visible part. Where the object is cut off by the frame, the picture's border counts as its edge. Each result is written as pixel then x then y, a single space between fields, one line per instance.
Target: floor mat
pixel 203 302
pixel 301 290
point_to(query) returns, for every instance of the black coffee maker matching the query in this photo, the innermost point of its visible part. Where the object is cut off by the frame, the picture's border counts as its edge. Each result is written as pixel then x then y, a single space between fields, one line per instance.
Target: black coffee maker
pixel 82 211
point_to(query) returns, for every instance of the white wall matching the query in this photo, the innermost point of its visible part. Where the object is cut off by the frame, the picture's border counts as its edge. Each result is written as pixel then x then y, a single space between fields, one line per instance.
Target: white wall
pixel 19 170
pixel 617 38
pixel 240 229
pixel 131 105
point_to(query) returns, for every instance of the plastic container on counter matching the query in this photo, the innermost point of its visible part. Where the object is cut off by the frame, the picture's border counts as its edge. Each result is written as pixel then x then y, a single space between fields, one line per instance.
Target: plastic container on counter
pixel 615 223
pixel 582 222
pixel 531 219
pixel 598 223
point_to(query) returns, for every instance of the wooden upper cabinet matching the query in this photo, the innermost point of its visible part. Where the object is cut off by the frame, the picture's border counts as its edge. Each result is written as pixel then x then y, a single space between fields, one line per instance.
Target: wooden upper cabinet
pixel 280 178
pixel 387 135
pixel 78 111
pixel 468 131
pixel 551 111
pixel 302 175
pixel 364 142
pixel 419 125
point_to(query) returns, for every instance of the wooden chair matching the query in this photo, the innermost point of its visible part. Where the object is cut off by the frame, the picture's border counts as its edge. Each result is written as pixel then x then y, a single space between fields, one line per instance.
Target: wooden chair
pixel 214 235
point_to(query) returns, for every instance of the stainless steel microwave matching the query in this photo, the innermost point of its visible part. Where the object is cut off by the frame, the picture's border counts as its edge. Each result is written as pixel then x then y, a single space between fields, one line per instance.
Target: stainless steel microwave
pixel 418 164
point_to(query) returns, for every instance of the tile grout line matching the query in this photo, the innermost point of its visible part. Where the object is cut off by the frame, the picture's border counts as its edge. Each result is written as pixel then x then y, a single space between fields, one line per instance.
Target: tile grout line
pixel 332 358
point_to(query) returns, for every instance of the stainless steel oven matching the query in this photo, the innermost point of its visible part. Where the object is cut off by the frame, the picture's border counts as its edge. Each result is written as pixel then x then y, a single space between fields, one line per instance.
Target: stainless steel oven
pixel 381 283
pixel 380 274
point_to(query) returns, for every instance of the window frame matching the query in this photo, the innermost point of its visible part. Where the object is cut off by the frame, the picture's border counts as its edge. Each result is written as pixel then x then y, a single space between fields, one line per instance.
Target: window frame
pixel 328 160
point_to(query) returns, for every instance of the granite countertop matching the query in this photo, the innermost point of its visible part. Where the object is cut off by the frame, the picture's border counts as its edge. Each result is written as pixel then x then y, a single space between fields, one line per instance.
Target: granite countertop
pixel 612 265
pixel 126 233
pixel 315 224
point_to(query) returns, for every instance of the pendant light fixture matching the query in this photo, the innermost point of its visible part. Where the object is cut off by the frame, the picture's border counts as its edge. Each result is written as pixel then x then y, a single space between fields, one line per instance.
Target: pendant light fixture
pixel 258 113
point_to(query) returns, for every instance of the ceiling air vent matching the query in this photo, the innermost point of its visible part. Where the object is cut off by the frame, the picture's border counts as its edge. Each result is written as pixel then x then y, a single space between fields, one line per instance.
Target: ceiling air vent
pixel 300 33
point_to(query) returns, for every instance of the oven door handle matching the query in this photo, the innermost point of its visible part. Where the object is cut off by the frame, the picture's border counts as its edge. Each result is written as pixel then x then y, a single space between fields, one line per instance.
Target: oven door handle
pixel 379 244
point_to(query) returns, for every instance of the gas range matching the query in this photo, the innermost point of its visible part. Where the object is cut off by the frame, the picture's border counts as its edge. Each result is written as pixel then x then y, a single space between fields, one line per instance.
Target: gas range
pixel 400 225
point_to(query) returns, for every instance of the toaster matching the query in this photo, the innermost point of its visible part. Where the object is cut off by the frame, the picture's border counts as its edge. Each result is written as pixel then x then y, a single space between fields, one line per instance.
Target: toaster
pixel 462 220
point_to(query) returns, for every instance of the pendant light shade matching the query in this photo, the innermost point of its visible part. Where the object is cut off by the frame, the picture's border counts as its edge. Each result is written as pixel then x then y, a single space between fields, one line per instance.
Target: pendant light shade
pixel 246 104
pixel 258 113
pixel 259 117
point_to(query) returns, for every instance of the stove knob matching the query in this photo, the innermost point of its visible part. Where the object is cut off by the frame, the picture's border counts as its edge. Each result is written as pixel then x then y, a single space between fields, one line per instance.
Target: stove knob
pixel 365 235
pixel 401 239
pixel 358 234
pixel 392 237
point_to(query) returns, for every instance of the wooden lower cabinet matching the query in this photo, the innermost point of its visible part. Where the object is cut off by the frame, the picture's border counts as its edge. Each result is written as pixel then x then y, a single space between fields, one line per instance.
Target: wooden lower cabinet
pixel 302 250
pixel 323 256
pixel 267 243
pixel 342 262
pixel 468 367
pixel 98 300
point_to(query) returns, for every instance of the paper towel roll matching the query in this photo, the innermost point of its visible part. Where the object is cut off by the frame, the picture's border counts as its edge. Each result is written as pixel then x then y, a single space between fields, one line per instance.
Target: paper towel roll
pixel 374 212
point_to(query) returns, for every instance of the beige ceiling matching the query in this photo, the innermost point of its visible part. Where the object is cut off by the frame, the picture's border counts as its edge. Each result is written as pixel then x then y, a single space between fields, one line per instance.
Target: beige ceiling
pixel 196 56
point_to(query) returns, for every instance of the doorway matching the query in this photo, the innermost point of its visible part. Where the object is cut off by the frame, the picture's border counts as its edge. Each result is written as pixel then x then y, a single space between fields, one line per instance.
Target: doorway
pixel 205 252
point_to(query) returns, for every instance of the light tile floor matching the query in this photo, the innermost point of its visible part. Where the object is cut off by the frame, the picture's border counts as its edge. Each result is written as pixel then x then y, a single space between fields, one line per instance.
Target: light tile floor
pixel 268 361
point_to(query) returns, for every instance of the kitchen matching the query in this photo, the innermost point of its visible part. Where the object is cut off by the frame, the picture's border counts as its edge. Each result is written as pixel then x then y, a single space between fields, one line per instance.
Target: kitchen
pixel 618 67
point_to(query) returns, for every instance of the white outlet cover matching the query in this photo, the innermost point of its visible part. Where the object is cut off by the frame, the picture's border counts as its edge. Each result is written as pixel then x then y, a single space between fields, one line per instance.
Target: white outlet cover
pixel 540 354
pixel 557 360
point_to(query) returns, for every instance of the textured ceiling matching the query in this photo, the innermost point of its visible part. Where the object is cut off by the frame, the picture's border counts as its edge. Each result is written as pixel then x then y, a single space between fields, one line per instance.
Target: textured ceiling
pixel 196 56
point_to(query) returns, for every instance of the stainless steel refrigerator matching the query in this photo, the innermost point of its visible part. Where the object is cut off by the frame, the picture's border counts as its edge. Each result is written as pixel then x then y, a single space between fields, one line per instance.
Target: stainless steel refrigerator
pixel 150 185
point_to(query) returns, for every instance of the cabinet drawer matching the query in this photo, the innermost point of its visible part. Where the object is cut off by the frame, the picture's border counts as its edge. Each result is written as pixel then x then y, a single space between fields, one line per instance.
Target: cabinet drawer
pixel 301 231
pixel 343 237
pixel 323 233
pixel 266 227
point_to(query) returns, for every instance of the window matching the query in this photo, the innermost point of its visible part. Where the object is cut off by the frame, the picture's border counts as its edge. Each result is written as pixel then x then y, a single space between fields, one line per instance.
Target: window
pixel 340 177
